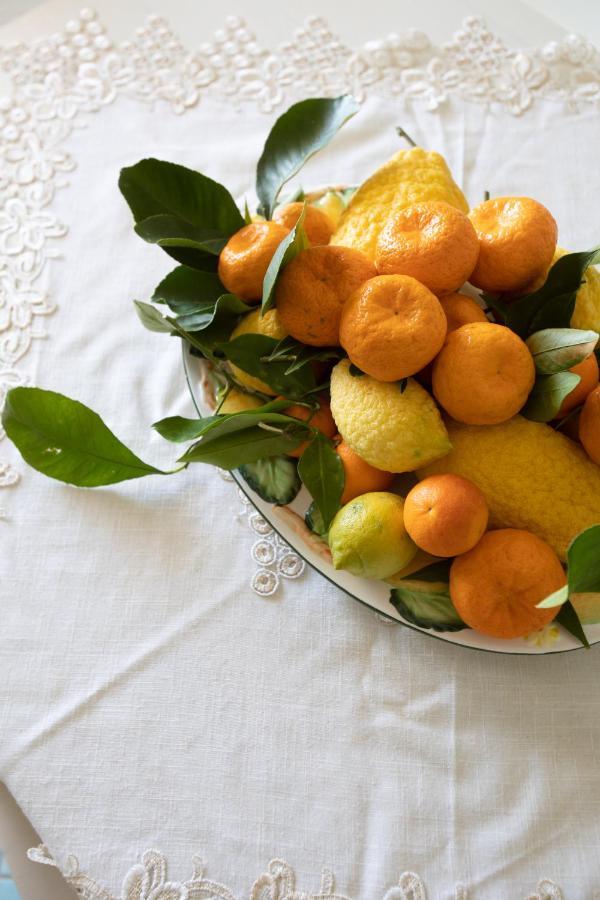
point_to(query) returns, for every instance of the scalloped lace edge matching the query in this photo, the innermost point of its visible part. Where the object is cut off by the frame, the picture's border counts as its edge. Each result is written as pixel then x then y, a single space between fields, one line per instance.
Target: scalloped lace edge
pixel 148 880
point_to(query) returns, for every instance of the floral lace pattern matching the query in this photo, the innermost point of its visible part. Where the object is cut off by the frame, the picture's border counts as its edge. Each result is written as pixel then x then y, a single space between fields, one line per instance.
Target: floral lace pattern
pixel 58 80
pixel 274 558
pixel 148 880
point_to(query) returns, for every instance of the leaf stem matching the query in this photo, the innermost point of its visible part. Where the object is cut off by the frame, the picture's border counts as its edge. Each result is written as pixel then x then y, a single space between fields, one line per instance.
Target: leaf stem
pixel 403 134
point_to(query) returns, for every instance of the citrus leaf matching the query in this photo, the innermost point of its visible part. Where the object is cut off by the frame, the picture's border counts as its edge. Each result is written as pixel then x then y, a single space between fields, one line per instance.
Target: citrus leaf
pixel 552 305
pixel 568 618
pixel 185 289
pixel 426 606
pixel 153 187
pixel 251 352
pixel 238 448
pixel 301 131
pixel 292 244
pixel 556 599
pixel 583 559
pixel 179 430
pixel 547 395
pixel 558 349
pixel 322 473
pixel 215 320
pixel 66 440
pixel 314 520
pixel 275 480
pixel 171 231
pixel 297 354
pixel 151 318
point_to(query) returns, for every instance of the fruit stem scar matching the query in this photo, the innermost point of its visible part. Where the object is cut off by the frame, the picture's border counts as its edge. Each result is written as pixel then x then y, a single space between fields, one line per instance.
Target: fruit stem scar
pixel 402 133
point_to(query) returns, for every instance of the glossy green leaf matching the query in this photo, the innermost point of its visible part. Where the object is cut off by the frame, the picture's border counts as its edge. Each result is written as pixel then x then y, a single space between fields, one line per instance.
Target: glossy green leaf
pixel 558 349
pixel 547 395
pixel 251 353
pixel 298 355
pixel 216 320
pixel 66 440
pixel 238 448
pixel 301 131
pixel 583 559
pixel 426 603
pixel 314 520
pixel 292 244
pixel 171 231
pixel 552 305
pixel 179 430
pixel 568 618
pixel 151 318
pixel 275 480
pixel 184 290
pixel 153 187
pixel 322 473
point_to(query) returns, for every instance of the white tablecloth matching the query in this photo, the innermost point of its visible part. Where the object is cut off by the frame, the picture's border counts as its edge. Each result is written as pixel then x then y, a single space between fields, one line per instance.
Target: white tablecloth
pixel 149 698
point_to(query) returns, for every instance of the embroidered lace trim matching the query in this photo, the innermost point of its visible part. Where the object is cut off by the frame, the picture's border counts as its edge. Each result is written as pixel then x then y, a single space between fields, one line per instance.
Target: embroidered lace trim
pixel 147 880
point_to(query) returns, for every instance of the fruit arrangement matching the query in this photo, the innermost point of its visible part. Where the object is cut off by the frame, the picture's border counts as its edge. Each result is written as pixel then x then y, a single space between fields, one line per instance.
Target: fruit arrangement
pixel 428 371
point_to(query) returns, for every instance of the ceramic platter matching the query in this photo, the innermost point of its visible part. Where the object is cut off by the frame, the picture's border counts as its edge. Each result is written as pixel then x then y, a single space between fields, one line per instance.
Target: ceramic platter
pixel 288 522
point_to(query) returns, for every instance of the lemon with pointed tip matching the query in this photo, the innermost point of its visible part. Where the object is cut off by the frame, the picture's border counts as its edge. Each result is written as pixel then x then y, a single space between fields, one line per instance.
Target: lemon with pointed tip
pixel 394 426
pixel 367 536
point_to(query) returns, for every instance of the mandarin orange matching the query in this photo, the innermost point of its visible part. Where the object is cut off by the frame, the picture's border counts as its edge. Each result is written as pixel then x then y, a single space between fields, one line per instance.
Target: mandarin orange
pixel 245 258
pixel 497 585
pixel 445 515
pixel 432 241
pixel 314 287
pixel 589 425
pixel 317 224
pixel 392 326
pixel 359 476
pixel 483 374
pixel 590 375
pixel 460 310
pixel 517 239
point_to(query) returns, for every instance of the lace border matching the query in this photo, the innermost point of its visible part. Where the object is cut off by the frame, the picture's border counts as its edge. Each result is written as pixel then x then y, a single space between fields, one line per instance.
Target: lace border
pixel 56 81
pixel 147 880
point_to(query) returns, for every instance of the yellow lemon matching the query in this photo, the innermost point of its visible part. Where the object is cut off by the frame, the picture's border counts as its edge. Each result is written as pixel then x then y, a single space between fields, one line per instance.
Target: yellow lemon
pixel 252 323
pixel 392 429
pixel 587 305
pixel 367 536
pixel 238 401
pixel 332 204
pixel 408 177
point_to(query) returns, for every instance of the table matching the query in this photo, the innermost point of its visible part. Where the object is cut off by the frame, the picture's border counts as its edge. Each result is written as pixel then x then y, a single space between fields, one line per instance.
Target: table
pixel 151 699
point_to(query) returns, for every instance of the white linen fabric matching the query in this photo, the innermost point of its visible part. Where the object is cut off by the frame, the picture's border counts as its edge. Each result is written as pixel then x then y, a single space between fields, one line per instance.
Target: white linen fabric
pixel 149 698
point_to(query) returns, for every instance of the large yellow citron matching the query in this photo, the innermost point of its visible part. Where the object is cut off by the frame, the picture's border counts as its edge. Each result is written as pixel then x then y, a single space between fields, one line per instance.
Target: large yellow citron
pixel 408 177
